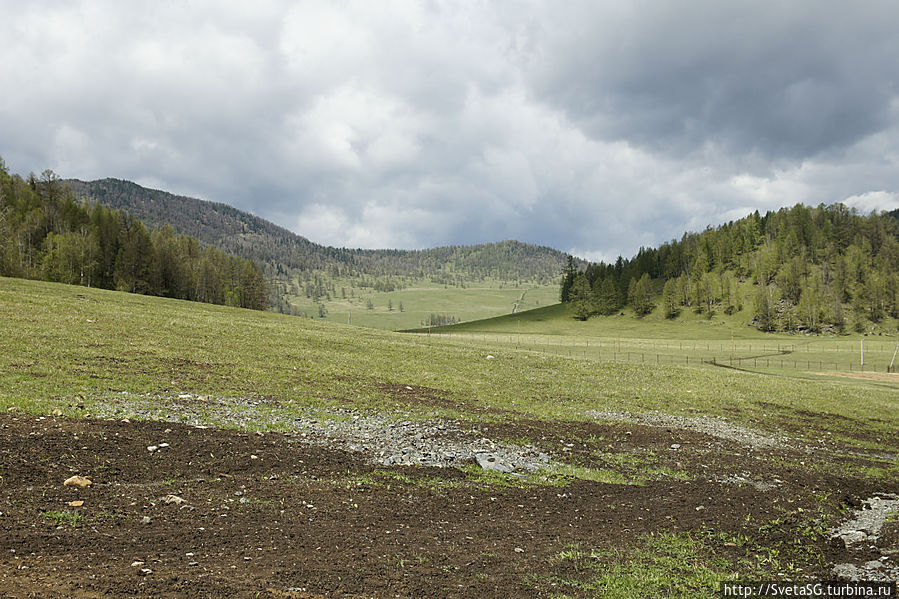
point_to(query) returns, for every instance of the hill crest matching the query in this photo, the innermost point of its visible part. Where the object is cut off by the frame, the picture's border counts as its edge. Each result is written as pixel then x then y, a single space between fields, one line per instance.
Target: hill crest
pixel 282 252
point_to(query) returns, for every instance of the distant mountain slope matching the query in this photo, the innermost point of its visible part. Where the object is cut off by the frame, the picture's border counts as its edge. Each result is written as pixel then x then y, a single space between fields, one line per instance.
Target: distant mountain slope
pixel 282 252
pixel 812 269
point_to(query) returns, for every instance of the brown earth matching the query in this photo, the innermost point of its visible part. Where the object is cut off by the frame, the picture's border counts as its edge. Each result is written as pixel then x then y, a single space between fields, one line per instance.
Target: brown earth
pixel 265 516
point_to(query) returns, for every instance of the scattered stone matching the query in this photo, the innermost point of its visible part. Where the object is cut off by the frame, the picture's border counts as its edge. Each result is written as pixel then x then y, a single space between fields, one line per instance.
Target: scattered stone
pixel 519 550
pixel 867 522
pixel 439 443
pixel 12 409
pixel 77 481
pixel 145 520
pixel 716 427
pixel 145 571
pixel 675 446
pixel 172 499
pixel 864 527
pixel 489 357
pixel 56 412
pixel 137 564
pixel 152 448
pixel 490 462
pixel 78 503
pixel 852 537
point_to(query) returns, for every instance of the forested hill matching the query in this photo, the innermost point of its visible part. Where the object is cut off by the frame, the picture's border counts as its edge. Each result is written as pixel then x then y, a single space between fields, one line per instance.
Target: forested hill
pixel 47 233
pixel 808 268
pixel 284 253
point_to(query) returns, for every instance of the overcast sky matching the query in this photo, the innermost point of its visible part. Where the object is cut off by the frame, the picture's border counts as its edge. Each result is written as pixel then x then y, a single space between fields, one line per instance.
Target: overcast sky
pixel 592 127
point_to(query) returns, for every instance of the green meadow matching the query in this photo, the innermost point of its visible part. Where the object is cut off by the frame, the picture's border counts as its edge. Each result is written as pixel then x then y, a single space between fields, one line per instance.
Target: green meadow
pixel 410 307
pixel 689 339
pixel 63 344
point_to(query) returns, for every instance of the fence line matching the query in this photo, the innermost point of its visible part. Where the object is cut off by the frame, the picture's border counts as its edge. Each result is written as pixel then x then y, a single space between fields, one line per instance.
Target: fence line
pixel 783 356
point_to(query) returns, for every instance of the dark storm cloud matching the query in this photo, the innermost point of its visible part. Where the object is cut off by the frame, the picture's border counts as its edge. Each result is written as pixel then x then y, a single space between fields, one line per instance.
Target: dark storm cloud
pixel 594 127
pixel 785 79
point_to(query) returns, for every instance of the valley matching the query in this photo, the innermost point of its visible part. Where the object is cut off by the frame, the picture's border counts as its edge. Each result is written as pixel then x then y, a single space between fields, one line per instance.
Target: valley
pixel 253 454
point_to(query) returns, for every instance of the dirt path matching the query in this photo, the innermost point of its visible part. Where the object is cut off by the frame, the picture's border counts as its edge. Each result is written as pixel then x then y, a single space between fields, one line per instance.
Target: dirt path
pixel 252 515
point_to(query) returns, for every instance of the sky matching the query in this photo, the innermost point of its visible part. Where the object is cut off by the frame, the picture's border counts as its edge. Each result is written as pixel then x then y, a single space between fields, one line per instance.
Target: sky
pixel 594 127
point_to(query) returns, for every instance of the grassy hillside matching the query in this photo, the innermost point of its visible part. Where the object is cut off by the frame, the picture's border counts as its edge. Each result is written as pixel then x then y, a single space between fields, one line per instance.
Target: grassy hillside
pixel 308 279
pixel 659 479
pixel 690 339
pixel 410 307
pixel 64 342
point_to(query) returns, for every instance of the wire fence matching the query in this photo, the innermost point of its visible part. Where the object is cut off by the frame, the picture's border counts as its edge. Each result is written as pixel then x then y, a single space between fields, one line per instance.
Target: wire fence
pixel 820 355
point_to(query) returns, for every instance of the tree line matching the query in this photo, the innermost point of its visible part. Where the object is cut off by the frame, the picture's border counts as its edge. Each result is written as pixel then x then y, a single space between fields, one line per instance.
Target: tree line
pixel 813 268
pixel 47 233
pixel 285 255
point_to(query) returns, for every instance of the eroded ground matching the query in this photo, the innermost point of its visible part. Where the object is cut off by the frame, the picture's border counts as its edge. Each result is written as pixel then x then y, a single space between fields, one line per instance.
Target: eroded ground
pixel 279 515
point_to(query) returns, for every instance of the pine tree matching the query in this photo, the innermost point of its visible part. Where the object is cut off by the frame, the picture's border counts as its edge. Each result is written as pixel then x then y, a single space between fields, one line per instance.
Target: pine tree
pixel 763 311
pixel 581 297
pixel 567 280
pixel 606 296
pixel 642 298
pixel 670 302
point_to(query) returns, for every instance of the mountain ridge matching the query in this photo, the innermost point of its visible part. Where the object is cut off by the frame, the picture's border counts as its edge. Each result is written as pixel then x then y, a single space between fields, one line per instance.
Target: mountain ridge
pixel 281 251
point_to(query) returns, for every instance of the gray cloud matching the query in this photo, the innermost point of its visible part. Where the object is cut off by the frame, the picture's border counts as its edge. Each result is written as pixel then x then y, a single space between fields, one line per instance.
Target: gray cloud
pixel 591 127
pixel 782 79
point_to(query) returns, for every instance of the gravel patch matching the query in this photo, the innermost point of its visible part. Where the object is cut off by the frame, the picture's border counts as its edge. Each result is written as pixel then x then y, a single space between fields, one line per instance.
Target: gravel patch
pixel 715 427
pixel 440 443
pixel 388 440
pixel 861 532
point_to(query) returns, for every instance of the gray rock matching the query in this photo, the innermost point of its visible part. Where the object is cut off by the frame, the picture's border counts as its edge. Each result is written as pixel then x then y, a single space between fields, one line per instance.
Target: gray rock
pixel 852 537
pixel 490 462
pixel 845 572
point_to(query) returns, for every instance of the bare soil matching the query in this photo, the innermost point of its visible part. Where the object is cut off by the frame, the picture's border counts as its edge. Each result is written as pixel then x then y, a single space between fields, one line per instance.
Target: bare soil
pixel 266 516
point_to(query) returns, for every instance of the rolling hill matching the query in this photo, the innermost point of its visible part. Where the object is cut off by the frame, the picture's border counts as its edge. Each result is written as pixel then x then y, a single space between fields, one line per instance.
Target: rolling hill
pixel 282 252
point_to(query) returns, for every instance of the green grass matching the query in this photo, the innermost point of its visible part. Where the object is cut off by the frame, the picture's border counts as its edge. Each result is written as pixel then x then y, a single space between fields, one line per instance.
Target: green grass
pixel 690 339
pixel 64 518
pixel 61 343
pixel 664 565
pixel 473 302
